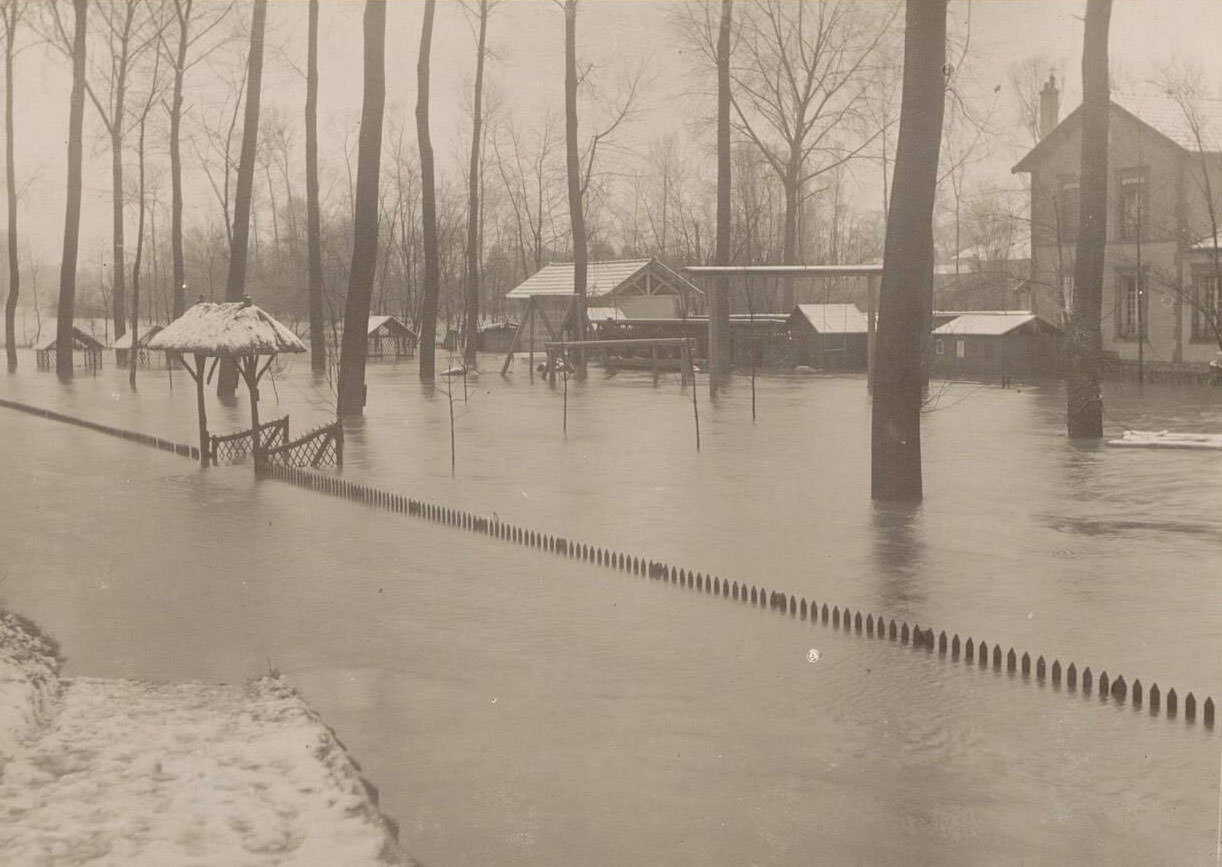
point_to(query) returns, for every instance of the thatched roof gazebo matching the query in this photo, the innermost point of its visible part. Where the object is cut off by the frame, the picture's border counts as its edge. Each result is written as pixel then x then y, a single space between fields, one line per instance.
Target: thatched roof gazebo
pixel 238 331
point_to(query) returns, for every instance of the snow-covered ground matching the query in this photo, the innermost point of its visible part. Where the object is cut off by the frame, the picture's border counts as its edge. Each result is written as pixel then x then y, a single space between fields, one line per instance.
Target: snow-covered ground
pixel 99 771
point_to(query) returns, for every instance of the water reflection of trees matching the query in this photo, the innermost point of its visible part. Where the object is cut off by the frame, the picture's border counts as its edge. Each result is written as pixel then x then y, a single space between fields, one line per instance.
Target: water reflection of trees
pixel 899 554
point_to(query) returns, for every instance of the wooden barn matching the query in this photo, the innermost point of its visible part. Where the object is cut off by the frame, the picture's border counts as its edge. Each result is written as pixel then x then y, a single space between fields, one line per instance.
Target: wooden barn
pixel 635 288
pixel 85 345
pixel 996 344
pixel 830 336
pixel 497 336
pixel 389 338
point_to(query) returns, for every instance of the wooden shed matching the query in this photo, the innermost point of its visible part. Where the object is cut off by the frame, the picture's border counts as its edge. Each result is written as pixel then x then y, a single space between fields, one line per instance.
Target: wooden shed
pixel 144 356
pixel 497 336
pixel 830 336
pixel 388 337
pixel 1001 344
pixel 84 345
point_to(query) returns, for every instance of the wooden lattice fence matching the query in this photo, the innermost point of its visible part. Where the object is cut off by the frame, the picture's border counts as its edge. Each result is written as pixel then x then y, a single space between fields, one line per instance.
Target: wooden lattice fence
pixel 320 447
pixel 235 448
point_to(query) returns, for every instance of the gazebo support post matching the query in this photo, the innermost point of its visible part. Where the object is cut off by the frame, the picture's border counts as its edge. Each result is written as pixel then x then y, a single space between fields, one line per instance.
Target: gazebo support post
pixel 202 412
pixel 248 365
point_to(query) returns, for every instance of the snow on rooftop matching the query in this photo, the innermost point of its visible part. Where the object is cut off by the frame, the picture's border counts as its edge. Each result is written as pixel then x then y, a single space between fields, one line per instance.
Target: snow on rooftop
pixel 835 318
pixel 228 329
pixel 987 323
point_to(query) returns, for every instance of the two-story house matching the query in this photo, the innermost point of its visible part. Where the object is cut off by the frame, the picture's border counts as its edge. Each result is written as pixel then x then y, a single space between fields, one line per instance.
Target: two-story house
pixel 1161 276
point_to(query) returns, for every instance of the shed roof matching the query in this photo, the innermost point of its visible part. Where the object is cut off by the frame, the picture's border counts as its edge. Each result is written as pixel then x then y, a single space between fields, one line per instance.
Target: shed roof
pixel 990 323
pixel 394 326
pixel 603 278
pixel 125 342
pixel 230 329
pixel 834 318
pixel 81 339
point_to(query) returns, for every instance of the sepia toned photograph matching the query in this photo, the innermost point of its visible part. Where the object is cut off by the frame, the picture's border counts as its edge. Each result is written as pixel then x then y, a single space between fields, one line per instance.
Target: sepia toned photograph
pixel 611 432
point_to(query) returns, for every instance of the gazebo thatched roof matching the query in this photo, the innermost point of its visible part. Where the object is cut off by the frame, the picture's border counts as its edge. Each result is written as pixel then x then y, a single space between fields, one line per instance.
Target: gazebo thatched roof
pixel 230 330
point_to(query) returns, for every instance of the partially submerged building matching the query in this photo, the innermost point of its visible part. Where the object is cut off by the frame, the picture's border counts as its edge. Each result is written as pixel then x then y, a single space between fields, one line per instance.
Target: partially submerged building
pixel 86 350
pixel 144 356
pixel 829 336
pixel 388 337
pixel 996 344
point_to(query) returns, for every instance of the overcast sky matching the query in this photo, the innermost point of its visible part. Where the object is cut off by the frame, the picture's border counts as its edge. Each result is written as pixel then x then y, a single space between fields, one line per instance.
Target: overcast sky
pixel 527 37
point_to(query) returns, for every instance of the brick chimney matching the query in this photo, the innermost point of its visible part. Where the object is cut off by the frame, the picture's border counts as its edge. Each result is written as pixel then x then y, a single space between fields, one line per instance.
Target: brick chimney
pixel 1050 105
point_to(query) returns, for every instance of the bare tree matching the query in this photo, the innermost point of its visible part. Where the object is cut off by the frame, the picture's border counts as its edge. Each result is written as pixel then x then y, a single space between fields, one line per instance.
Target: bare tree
pixel 471 344
pixel 11 13
pixel 577 220
pixel 235 285
pixel 526 173
pixel 719 301
pixel 365 242
pixel 72 215
pixel 182 59
pixel 801 90
pixel 895 454
pixel 318 340
pixel 428 186
pixel 1083 337
pixel 142 116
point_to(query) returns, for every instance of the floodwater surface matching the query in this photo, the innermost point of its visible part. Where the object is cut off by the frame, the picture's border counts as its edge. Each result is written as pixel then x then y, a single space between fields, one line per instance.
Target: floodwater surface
pixel 515 707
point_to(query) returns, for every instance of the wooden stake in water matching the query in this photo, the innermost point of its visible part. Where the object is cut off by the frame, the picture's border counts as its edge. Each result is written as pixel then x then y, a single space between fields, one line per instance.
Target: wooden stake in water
pixel 453 458
pixel 691 367
pixel 565 373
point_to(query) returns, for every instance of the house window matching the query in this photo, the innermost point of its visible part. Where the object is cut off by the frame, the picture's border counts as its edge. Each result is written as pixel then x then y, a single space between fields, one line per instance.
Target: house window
pixel 1131 203
pixel 960 348
pixel 1067 292
pixel 1206 306
pixel 1130 306
pixel 939 347
pixel 1067 212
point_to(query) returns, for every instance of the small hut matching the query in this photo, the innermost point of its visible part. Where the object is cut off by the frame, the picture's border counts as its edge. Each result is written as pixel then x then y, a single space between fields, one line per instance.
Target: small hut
pixel 123 347
pixel 388 337
pixel 88 347
pixel 497 336
pixel 829 336
pixel 238 331
pixel 996 343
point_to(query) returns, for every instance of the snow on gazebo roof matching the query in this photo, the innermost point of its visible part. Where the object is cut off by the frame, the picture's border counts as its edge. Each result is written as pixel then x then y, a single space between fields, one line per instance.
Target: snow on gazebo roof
pixel 125 342
pixel 230 329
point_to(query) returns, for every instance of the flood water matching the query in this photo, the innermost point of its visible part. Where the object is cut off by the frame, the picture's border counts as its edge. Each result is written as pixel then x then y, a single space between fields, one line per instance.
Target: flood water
pixel 519 708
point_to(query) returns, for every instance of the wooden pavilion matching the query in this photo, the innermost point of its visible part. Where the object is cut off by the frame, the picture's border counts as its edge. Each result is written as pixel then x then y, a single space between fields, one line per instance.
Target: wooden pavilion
pixel 143 355
pixel 388 337
pixel 238 331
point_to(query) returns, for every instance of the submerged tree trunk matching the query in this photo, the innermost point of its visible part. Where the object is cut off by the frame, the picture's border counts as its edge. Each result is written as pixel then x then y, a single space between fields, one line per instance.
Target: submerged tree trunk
pixel 428 203
pixel 365 230
pixel 1083 337
pixel 473 203
pixel 183 12
pixel 72 214
pixel 11 13
pixel 134 354
pixel 577 220
pixel 895 470
pixel 318 339
pixel 719 300
pixel 235 286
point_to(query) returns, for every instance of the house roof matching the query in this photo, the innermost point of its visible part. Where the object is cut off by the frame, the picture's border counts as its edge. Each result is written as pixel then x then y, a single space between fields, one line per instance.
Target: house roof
pixel 1161 113
pixel 834 318
pixel 603 278
pixel 394 326
pixel 81 339
pixel 989 323
pixel 602 314
pixel 230 329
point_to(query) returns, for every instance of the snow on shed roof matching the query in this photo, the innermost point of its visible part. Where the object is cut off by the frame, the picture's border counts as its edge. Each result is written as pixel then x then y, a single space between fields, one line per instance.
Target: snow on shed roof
pixel 81 340
pixel 992 323
pixel 603 278
pixel 230 329
pixel 394 325
pixel 834 318
pixel 125 342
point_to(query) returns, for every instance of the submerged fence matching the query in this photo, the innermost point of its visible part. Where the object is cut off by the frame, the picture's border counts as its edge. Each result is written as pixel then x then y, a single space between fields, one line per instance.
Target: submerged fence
pixel 969 651
pixel 235 448
pixel 165 445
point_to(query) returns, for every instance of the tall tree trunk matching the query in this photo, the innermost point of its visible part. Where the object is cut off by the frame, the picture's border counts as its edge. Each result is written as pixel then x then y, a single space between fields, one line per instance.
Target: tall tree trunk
pixel 235 286
pixel 577 219
pixel 10 172
pixel 428 203
pixel 318 338
pixel 72 213
pixel 1083 338
pixel 134 356
pixel 365 219
pixel 183 11
pixel 793 200
pixel 473 178
pixel 719 301
pixel 118 287
pixel 895 470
